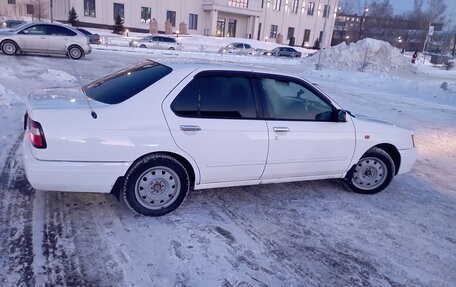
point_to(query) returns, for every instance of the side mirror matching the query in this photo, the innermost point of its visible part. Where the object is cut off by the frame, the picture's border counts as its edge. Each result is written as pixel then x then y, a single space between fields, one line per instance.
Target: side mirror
pixel 341 116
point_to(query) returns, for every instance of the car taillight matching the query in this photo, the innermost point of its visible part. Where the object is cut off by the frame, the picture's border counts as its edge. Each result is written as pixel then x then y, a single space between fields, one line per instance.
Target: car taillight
pixel 36 134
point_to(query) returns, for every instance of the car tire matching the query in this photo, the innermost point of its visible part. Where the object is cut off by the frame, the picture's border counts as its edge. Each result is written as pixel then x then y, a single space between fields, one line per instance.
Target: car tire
pixel 10 48
pixel 143 46
pixel 155 185
pixel 372 174
pixel 171 48
pixel 75 53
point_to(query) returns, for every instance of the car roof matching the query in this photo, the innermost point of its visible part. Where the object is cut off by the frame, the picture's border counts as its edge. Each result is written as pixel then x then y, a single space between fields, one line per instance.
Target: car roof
pixel 221 67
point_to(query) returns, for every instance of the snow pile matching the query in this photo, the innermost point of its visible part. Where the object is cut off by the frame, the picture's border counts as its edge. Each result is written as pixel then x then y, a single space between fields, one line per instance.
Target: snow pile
pixel 57 75
pixel 7 97
pixel 364 55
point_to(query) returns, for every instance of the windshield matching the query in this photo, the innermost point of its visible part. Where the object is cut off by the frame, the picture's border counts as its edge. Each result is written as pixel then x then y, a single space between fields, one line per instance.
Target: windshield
pixel 124 84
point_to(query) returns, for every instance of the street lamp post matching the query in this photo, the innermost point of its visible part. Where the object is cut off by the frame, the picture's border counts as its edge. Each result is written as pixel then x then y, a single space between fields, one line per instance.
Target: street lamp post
pixel 318 65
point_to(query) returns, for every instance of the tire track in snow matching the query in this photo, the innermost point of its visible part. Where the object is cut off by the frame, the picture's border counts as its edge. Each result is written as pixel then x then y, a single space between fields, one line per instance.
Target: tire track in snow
pixel 16 198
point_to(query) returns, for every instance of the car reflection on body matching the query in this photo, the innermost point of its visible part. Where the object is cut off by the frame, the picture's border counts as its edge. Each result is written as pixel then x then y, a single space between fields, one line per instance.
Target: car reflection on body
pixel 44 38
pixel 196 126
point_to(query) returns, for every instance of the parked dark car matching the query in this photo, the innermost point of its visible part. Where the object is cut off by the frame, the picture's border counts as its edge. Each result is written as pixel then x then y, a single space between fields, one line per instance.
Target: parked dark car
pixel 93 38
pixel 286 52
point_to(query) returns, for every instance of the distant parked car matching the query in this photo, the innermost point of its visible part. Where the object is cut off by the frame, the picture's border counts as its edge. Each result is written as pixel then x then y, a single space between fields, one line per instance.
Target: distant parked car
pixel 157 42
pixel 238 48
pixel 44 38
pixel 187 127
pixel 286 52
pixel 9 24
pixel 93 38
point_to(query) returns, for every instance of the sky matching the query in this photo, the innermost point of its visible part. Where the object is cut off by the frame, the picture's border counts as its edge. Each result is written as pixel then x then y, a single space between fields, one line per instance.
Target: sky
pixel 401 6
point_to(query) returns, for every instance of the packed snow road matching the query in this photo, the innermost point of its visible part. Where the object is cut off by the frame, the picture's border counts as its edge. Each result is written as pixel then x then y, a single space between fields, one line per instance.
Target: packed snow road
pixel 298 234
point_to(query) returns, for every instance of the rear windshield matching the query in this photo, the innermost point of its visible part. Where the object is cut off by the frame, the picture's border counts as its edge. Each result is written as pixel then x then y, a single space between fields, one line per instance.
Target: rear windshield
pixel 124 84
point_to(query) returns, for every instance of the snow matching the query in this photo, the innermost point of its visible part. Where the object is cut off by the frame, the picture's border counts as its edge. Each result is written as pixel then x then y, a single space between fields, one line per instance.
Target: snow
pixel 297 234
pixel 365 55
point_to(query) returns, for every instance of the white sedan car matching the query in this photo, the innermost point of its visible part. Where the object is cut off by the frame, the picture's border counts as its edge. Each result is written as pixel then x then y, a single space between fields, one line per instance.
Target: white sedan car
pixel 44 38
pixel 158 131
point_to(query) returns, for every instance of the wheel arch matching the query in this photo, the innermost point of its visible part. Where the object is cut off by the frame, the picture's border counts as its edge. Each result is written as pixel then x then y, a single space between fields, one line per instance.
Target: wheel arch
pixel 393 152
pixel 10 40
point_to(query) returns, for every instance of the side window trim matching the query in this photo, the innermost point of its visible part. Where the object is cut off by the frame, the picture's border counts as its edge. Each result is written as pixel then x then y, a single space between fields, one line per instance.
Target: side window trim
pixel 258 76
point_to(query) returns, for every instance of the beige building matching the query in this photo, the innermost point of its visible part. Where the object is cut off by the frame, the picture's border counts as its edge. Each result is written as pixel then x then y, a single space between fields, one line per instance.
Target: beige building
pixel 257 19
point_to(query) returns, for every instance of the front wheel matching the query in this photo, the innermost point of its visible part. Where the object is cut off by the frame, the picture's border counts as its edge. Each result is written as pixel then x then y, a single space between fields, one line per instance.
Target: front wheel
pixel 156 185
pixel 372 174
pixel 9 48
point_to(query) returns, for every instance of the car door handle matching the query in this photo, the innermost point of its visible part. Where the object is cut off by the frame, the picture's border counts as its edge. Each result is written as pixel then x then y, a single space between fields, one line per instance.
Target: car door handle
pixel 189 128
pixel 281 129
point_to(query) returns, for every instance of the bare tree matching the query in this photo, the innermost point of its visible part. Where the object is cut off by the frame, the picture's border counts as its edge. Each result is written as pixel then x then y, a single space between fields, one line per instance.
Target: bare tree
pixel 436 11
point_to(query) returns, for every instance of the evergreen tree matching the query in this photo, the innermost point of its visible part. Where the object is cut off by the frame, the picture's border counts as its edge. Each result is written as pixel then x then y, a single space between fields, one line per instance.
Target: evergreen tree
pixel 73 17
pixel 118 25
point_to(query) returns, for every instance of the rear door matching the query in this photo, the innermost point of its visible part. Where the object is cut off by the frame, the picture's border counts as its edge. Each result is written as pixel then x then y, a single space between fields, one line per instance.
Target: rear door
pixel 215 119
pixel 304 138
pixel 59 37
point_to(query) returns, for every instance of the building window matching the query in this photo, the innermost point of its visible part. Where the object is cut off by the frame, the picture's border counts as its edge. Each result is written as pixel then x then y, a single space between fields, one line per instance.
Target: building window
pixel 89 8
pixel 239 3
pixel 119 10
pixel 295 7
pixel 12 2
pixel 277 4
pixel 193 22
pixel 306 35
pixel 290 33
pixel 171 17
pixel 221 27
pixel 231 28
pixel 326 11
pixel 311 8
pixel 146 13
pixel 262 4
pixel 273 33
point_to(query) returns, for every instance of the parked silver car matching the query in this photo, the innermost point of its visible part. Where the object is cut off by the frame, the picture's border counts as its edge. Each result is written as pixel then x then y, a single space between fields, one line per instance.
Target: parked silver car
pixel 238 48
pixel 44 38
pixel 157 42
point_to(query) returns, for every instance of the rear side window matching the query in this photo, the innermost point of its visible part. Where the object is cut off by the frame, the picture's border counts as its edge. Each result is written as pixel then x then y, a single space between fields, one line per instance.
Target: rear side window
pixel 222 97
pixel 124 84
pixel 59 31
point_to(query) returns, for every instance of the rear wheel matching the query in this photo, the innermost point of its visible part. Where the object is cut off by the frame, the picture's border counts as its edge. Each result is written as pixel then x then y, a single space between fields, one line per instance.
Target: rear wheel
pixel 9 48
pixel 75 53
pixel 156 185
pixel 171 48
pixel 372 174
pixel 142 46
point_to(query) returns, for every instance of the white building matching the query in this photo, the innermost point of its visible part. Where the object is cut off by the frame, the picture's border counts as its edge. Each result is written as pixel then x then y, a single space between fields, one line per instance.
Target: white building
pixel 257 19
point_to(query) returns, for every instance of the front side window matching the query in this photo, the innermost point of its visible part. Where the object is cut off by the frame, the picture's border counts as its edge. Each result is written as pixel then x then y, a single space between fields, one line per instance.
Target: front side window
pixel 89 8
pixel 193 22
pixel 119 10
pixel 288 100
pixel 311 8
pixel 171 17
pixel 35 30
pixel 273 33
pixel 223 97
pixel 146 13
pixel 126 83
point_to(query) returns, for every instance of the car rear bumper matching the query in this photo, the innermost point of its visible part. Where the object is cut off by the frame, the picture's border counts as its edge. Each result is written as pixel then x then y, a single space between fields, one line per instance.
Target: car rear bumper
pixel 408 159
pixel 71 176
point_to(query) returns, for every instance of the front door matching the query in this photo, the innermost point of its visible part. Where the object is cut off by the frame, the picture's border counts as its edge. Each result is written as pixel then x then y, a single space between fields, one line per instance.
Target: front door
pixel 33 39
pixel 214 120
pixel 304 139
